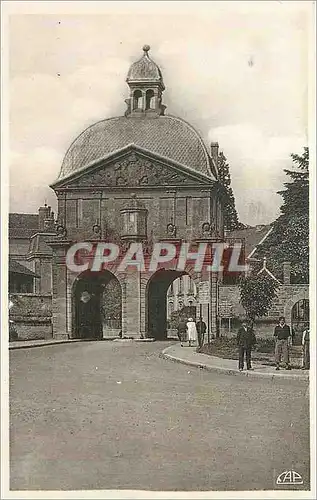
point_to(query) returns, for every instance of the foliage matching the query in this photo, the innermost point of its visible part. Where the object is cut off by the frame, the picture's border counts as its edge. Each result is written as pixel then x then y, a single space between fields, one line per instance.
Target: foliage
pixel 174 320
pixel 111 306
pixel 231 220
pixel 182 315
pixel 289 239
pixel 13 334
pixel 257 293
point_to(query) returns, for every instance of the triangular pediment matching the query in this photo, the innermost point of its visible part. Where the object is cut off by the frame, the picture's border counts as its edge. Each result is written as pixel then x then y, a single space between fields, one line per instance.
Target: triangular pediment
pixel 133 168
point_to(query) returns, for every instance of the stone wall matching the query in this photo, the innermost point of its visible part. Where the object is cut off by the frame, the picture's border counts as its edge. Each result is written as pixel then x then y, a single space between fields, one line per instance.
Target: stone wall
pixel 32 315
pixel 19 248
pixel 187 209
pixel 287 296
pixel 178 206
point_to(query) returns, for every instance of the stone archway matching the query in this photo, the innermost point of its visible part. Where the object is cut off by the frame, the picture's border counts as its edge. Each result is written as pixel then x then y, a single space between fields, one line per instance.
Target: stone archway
pixel 156 303
pixel 300 319
pixel 303 294
pixel 96 305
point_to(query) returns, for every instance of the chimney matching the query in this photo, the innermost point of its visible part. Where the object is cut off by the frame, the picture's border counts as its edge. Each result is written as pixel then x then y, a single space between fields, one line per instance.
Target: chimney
pixel 44 214
pixel 286 273
pixel 214 150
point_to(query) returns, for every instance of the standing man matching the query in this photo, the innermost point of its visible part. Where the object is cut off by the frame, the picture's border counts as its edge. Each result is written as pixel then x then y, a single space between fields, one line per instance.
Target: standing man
pixel 201 330
pixel 181 331
pixel 305 344
pixel 13 335
pixel 245 340
pixel 282 336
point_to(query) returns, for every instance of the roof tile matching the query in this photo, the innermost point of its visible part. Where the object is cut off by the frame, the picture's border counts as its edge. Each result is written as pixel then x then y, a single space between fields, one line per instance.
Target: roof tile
pixel 23 226
pixel 167 136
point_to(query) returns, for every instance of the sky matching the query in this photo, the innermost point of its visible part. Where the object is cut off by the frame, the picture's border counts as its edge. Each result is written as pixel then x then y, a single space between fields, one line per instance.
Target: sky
pixel 238 72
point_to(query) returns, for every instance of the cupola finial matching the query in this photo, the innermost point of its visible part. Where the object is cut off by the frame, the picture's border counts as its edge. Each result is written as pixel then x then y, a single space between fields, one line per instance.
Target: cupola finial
pixel 146 86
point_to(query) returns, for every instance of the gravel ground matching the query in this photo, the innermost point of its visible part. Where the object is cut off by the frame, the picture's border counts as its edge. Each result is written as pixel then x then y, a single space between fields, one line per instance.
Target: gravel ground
pixel 109 415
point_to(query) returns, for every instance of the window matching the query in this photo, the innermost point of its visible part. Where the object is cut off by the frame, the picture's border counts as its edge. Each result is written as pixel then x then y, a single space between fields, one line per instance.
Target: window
pixel 79 215
pixel 149 99
pixel 137 99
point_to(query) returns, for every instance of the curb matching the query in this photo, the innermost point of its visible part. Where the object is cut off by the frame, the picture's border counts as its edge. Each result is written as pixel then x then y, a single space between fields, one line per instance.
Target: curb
pixel 29 344
pixel 150 339
pixel 43 344
pixel 232 371
pixel 134 340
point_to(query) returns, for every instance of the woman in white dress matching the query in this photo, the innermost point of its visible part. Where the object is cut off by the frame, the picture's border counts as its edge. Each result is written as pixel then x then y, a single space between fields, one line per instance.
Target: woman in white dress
pixel 191 331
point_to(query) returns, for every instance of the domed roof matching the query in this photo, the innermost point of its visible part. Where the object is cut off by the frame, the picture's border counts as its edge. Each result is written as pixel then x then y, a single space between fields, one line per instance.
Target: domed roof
pixel 166 136
pixel 145 70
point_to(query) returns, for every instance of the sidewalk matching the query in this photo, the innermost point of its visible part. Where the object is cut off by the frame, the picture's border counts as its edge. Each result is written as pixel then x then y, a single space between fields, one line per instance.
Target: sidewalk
pixel 189 356
pixel 22 344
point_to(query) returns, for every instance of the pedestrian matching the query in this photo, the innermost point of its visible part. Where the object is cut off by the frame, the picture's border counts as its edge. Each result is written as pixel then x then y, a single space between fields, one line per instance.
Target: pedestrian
pixel 191 331
pixel 201 330
pixel 13 334
pixel 293 336
pixel 181 331
pixel 246 341
pixel 282 336
pixel 306 353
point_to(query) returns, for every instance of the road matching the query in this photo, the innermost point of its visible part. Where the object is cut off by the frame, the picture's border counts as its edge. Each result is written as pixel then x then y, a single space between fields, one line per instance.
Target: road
pixel 109 415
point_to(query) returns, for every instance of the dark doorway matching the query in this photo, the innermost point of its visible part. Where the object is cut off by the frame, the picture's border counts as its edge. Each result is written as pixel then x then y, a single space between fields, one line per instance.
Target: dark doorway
pixel 300 320
pixel 96 302
pixel 156 320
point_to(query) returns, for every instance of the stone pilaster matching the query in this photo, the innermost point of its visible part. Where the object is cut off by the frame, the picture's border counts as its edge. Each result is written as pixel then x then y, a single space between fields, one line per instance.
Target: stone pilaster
pixel 286 273
pixel 131 304
pixel 60 295
pixel 70 304
pixel 213 304
pixel 143 308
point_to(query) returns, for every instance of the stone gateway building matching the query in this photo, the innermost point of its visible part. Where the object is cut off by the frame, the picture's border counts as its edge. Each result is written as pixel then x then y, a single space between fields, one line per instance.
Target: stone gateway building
pixel 145 176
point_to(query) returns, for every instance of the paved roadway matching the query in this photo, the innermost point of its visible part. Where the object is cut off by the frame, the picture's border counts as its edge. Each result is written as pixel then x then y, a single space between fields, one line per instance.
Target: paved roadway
pixel 108 415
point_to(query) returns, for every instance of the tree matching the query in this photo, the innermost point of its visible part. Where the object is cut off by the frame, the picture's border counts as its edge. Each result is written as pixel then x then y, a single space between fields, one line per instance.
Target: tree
pixel 257 294
pixel 289 239
pixel 182 315
pixel 111 306
pixel 231 220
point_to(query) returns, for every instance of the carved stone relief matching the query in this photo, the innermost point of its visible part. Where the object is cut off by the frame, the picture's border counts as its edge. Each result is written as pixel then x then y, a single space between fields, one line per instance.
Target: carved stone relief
pixel 171 229
pixel 133 171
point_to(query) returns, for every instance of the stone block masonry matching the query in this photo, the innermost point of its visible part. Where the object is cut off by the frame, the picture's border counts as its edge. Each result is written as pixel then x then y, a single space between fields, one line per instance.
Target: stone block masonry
pixel 32 316
pixel 287 296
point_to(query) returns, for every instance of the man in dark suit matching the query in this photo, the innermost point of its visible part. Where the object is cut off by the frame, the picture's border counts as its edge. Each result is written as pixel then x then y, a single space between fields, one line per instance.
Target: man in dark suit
pixel 201 330
pixel 305 344
pixel 245 340
pixel 282 336
pixel 181 330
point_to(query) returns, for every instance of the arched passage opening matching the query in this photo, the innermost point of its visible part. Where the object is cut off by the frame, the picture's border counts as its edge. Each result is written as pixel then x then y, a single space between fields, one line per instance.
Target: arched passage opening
pixel 181 301
pixel 299 319
pixel 149 99
pixel 137 99
pixel 97 306
pixel 157 302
